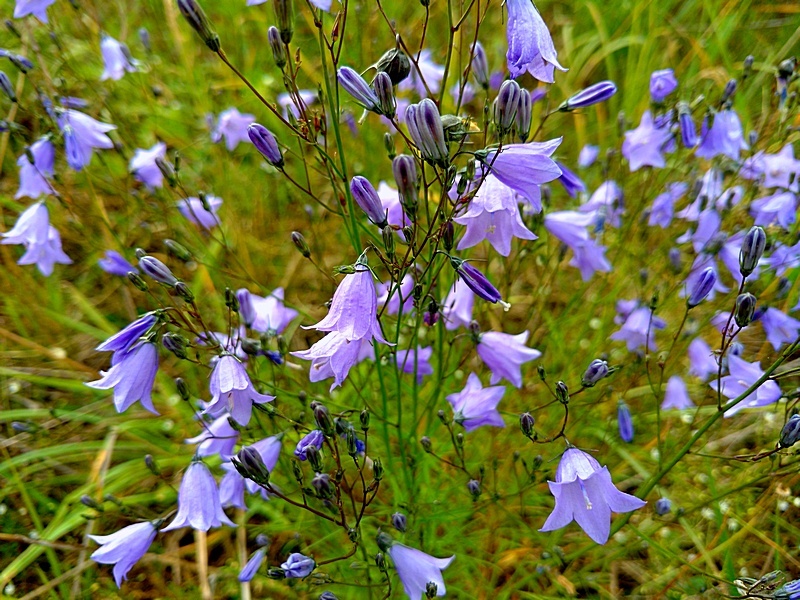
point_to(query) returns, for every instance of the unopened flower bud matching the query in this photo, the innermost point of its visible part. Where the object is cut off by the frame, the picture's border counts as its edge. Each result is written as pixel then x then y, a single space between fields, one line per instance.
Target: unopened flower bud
pixel 250 465
pixel 596 370
pixel 179 251
pixel 322 486
pixel 752 249
pixel 23 63
pixel 368 200
pixel 702 287
pixel 152 465
pixel 175 343
pixel 562 392
pixel 300 243
pixel 139 283
pixel 399 522
pixel 196 17
pixel 598 92
pixel 157 270
pixel 505 107
pixel 377 469
pixel 183 389
pixel 404 168
pixel 284 14
pixel 526 424
pixel 523 119
pixel 431 316
pixel 184 291
pixel 380 559
pixel 276 573
pixel 277 47
pixel 395 64
pixel 12 28
pixel 425 441
pixel 476 281
pixel 747 66
pixel 364 419
pixel 358 88
pixel 790 434
pixel 314 458
pixel 730 90
pixel 663 506
pixel 323 419
pixel 540 370
pixel 231 300
pixel 480 66
pixel 425 128
pixel 266 144
pixel 90 502
pixel 382 84
pixel 250 347
pixel 167 171
pixel 8 88
pixel 387 233
pixel 625 422
pixel 474 487
pixel 448 236
pixel 745 309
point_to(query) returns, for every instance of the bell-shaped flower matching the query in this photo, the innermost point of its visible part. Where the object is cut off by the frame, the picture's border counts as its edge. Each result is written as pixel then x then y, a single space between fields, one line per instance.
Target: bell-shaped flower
pixel 639 329
pixel 779 208
pixel 415 568
pixel 530 47
pixel 33 178
pixel 231 488
pixel 724 137
pixel 676 395
pixel 216 438
pixel 663 206
pixel 131 376
pixel 585 493
pixel 702 363
pixel 333 356
pixel 232 390
pixel 124 548
pixel 194 210
pixel 504 354
pixel 457 306
pixel 199 505
pixel 607 205
pixel 394 296
pixel 253 565
pixel 37 8
pixel 476 405
pixel 82 134
pixel 232 125
pixel 114 263
pixel 313 438
pixel 644 146
pixel 116 59
pixel 743 375
pixel 144 168
pixel 415 361
pixel 129 335
pixel 588 155
pixel 779 327
pixel 31 227
pixel 524 167
pixel 298 566
pixel 270 315
pixel 662 84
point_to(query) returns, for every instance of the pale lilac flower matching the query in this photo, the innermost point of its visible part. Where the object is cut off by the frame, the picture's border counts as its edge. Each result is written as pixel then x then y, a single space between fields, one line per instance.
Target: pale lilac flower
pixel 644 146
pixel 114 263
pixel 199 506
pixel 37 8
pixel 217 438
pixel 569 227
pixel 232 390
pixel 415 361
pixel 779 327
pixel 298 566
pixel 779 208
pixel 504 354
pixel 144 168
pixel 594 94
pixel 457 307
pixel 634 332
pixel 193 211
pixel 269 312
pixel 476 405
pixel 662 84
pixel 415 568
pixel 313 438
pixel 401 295
pixel 390 201
pixel 524 167
pixel 47 254
pixel 253 565
pixel 31 228
pixel 333 356
pixel 589 258
pixel 493 215
pixel 124 548
pixel 571 182
pixel 124 339
pixel 725 137
pixel 33 178
pixel 82 134
pixel 783 258
pixel 232 125
pixel 115 59
pixel 287 102
pixel 429 72
pixel 588 155
pixel 131 376
pixel 584 492
pixel 710 191
pixel 702 363
pixel 606 203
pixel 664 205
pixel 776 170
pixel 624 422
pixel 676 396
pixel 231 488
pixel 466 91
pixel 530 47
pixel 742 375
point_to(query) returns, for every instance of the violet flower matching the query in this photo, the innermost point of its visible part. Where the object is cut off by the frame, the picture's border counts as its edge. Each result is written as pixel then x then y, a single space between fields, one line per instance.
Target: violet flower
pixel 415 361
pixel 585 493
pixel 624 422
pixel 124 548
pixel 480 65
pixel 664 204
pixel 607 203
pixel 31 228
pixel 231 389
pixel 724 137
pixel 37 8
pixel 687 126
pixel 131 376
pixel 217 438
pixel 662 84
pixel 358 89
pixel 742 375
pixel 702 362
pixel 778 209
pixel 524 167
pixel 298 566
pixel 232 125
pixel 199 506
pixel 571 182
pixel 270 314
pixel 313 438
pixel 634 332
pixel 401 295
pixel 82 134
pixel 530 47
pixel 231 488
pixel 144 168
pixel 253 565
pixel 779 327
pixel 457 307
pixel 115 59
pixel 427 76
pixel 124 339
pixel 587 156
pixel 368 200
pixel 644 146
pixel 193 210
pixel 415 568
pixel 476 405
pixel 333 356
pixel 477 282
pixel 33 178
pixel 391 199
pixel 504 354
pixel 676 396
pixel 594 94
pixel 114 263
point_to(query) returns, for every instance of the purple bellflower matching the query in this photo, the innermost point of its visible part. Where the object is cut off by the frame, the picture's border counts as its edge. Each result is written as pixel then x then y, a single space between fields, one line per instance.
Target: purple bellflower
pixel 662 84
pixel 253 565
pixel 624 422
pixel 606 202
pixel 287 102
pixel 778 209
pixel 390 201
pixel 585 493
pixel 415 568
pixel 775 170
pixel 199 506
pixel 231 488
pixel 266 144
pixel 401 295
pixel 33 178
pixel 724 137
pixel 269 313
pixel 415 361
pixel 524 167
pixel 476 405
pixel 41 240
pixel 779 327
pixel 477 282
pixel 131 376
pixel 569 227
pixel 194 211
pixel 114 263
pixel 232 125
pixel 594 94
pixel 530 47
pixel 358 89
pixel 587 156
pixel 124 339
pixel 783 258
pixel 366 196
pixel 116 60
pixel 144 168
pixel 333 356
pixel 676 396
pixel 82 134
pixel 664 204
pixel 313 438
pixel 217 438
pixel 232 390
pixel 702 363
pixel 687 126
pixel 504 354
pixel 634 332
pixel 644 146
pixel 571 182
pixel 457 307
pixel 124 548
pixel 37 8
pixel 298 566
pixel 429 73
pixel 742 375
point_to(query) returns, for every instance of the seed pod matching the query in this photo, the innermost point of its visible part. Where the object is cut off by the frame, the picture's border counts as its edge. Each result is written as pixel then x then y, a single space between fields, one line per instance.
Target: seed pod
pixel 395 64
pixel 196 17
pixel 745 309
pixel 284 14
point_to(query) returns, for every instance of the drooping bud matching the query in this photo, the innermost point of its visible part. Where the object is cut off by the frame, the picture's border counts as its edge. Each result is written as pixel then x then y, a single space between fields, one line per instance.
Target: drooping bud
pixel 663 506
pixel 382 84
pixel 266 144
pixel 702 287
pixel 322 485
pixel 425 442
pixel 562 392
pixel 178 250
pixel 8 88
pixel 625 422
pixel 523 119
pixel 480 66
pixel 404 169
pixel 152 465
pixel 395 64
pixel 368 200
pixel 476 281
pixel 790 434
pixel 597 370
pixel 184 291
pixel 23 63
pixel 474 487
pixel 155 269
pixel 387 233
pixel 687 126
pixel 399 522
pixel 196 17
pixel 448 236
pixel 175 343
pixel 745 309
pixel 246 308
pixel 526 424
pixel 323 419
pixel 730 90
pixel 250 465
pixel 284 14
pixel 747 66
pixel 377 469
pixel 364 419
pixel 314 458
pixel 277 47
pixel 359 89
pixel 167 171
pixel 276 573
pixel 183 389
pixel 752 249
pixel 598 92
pixel 425 127
pixel 505 107
pixel 300 243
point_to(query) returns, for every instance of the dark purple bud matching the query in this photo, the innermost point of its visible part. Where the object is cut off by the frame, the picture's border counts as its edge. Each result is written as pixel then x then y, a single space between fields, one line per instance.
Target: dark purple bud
pixel 526 424
pixel 598 92
pixel 152 465
pixel 448 236
pixel 284 14
pixel 474 487
pixel 266 144
pixel 752 249
pixel 702 287
pixel 322 486
pixel 625 422
pixel 157 270
pixel 425 128
pixel 431 316
pixel 663 506
pixel 183 389
pixel 300 243
pixel 175 343
pixel 745 309
pixel 246 308
pixel 359 89
pixel 786 67
pixel 22 63
pixel 250 465
pixel 314 458
pixel 505 107
pixel 387 233
pixel 276 573
pixel 425 442
pixel 570 180
pixel 477 281
pixel 562 392
pixel 323 419
pixel 12 28
pixel 597 370
pixel 144 39
pixel 7 87
pixel 687 126
pixel 382 84
pixel 197 19
pixel 377 469
pixel 399 522
pixel 368 200
pixel 730 90
pixel 790 434
pixel 480 66
pixel 747 66
pixel 395 64
pixel 277 47
pixel 404 168
pixel 523 118
pixel 184 291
